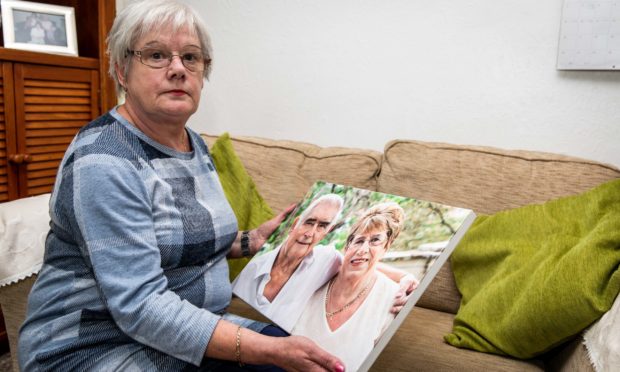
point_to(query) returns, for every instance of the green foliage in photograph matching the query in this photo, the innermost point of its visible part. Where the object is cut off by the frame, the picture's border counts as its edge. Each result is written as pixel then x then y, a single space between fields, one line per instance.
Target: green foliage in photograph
pixel 425 223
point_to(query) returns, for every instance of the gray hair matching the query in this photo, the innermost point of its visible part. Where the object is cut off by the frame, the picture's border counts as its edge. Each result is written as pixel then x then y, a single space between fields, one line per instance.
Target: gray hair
pixel 329 199
pixel 139 18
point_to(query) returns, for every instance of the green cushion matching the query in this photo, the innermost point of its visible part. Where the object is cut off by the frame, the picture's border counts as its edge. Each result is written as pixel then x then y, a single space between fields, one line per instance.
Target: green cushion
pixel 249 207
pixel 533 277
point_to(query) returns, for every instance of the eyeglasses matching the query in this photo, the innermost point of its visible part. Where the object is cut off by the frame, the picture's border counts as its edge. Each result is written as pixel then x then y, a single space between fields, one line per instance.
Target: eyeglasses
pixel 192 58
pixel 373 241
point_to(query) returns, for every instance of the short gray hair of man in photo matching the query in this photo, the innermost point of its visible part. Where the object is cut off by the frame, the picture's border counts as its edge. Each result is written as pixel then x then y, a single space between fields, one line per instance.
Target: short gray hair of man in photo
pixel 328 199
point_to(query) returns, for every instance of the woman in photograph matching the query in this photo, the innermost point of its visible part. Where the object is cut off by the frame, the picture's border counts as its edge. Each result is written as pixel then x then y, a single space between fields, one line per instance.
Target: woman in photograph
pixel 349 314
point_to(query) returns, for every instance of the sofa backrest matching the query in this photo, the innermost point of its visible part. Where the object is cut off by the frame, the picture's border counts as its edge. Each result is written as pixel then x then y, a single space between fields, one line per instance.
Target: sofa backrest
pixel 485 179
pixel 283 171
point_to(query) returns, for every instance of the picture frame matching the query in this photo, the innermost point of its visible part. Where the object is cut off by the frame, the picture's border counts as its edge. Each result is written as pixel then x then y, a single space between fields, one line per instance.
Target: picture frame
pixel 39 27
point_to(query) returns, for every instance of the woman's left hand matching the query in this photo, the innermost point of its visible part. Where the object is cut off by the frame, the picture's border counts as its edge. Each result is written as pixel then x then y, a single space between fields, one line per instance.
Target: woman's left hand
pixel 259 236
pixel 407 284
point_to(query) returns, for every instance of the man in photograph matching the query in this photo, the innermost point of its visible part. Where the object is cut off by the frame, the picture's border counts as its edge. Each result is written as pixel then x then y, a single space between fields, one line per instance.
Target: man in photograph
pixel 280 282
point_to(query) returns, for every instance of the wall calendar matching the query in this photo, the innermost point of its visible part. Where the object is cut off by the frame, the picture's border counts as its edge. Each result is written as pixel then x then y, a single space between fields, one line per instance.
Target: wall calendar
pixel 589 35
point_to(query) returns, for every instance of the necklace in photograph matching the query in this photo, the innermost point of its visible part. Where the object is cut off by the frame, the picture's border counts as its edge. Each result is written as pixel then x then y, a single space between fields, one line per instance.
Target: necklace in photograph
pixel 348 304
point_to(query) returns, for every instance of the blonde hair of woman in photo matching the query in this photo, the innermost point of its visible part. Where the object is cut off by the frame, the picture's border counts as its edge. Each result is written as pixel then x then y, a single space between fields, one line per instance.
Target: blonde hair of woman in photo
pixel 135 275
pixel 350 312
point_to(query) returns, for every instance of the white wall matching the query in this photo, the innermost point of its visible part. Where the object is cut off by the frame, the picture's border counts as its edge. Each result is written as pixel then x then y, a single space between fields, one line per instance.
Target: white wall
pixel 358 73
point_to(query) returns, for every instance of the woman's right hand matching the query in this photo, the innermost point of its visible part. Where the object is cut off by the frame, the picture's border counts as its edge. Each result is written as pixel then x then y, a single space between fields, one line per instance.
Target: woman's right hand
pixel 292 353
pixel 298 353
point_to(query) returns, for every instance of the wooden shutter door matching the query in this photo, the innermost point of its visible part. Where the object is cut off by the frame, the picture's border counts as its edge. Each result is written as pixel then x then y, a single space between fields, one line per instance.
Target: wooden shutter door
pixel 8 170
pixel 52 104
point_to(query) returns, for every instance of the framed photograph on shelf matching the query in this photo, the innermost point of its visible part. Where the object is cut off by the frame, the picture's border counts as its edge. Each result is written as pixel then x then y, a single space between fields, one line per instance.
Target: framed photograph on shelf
pixel 39 27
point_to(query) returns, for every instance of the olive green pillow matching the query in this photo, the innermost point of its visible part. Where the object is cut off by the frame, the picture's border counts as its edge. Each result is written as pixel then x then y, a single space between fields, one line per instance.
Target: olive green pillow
pixel 249 207
pixel 534 277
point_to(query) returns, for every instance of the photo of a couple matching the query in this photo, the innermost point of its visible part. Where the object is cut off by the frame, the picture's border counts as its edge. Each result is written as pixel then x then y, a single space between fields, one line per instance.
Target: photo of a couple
pixel 343 265
pixel 39 28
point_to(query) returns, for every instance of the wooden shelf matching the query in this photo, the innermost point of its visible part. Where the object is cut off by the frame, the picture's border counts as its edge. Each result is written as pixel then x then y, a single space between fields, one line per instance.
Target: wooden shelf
pixel 17 55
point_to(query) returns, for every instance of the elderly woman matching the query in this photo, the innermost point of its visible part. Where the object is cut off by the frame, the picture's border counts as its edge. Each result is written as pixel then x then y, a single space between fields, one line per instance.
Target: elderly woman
pixel 350 312
pixel 135 275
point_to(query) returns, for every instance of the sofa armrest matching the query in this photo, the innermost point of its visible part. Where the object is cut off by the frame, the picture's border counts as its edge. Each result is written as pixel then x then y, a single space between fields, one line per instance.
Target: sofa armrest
pixel 14 302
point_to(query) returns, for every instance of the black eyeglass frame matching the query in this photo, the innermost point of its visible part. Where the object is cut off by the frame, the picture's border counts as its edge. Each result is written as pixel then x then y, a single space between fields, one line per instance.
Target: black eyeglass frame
pixel 138 53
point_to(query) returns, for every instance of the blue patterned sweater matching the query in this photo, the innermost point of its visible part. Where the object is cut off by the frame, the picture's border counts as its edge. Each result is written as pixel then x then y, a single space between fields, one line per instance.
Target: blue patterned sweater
pixel 134 272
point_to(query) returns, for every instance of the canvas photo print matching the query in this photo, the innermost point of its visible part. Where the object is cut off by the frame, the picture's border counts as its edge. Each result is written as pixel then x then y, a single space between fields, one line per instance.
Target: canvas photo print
pixel 341 266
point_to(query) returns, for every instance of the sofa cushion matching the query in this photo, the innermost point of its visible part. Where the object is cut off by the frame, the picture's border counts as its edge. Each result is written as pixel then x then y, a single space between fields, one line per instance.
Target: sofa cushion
pixel 485 179
pixel 535 276
pixel 442 293
pixel 284 170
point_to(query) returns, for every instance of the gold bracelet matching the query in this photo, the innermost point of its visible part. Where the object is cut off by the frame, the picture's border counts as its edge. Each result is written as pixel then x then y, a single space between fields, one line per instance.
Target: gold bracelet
pixel 238 347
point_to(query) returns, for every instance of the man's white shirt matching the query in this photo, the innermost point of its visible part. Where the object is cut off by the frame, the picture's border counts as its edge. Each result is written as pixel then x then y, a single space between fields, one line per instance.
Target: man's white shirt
pixel 320 265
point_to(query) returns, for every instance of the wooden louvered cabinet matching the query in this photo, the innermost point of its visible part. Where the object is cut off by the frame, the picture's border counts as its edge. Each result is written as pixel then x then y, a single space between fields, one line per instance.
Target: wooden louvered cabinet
pixel 45 99
pixel 42 108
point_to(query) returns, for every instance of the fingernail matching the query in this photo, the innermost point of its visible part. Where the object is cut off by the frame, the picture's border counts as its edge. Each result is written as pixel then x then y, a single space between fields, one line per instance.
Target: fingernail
pixel 339 368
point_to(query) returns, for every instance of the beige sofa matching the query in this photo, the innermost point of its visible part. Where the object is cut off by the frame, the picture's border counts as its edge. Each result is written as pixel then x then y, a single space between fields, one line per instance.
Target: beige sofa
pixel 484 179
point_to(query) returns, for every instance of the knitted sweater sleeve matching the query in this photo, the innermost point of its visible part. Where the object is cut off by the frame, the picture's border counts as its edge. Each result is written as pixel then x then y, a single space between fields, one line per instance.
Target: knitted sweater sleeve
pixel 113 213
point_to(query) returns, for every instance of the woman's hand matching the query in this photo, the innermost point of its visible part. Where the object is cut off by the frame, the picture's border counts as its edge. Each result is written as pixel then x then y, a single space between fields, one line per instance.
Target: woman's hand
pixel 259 236
pixel 292 353
pixel 407 284
pixel 298 353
